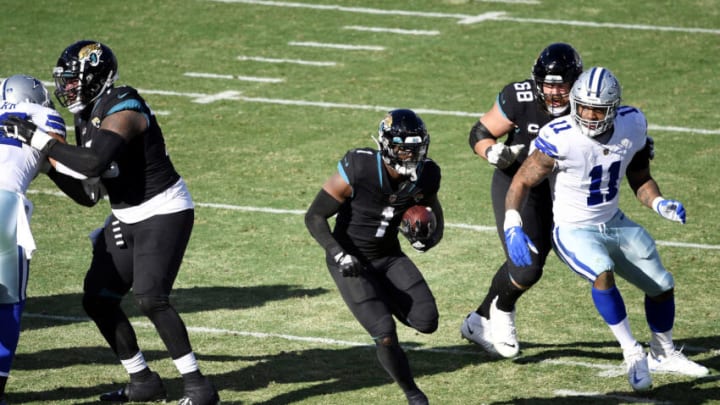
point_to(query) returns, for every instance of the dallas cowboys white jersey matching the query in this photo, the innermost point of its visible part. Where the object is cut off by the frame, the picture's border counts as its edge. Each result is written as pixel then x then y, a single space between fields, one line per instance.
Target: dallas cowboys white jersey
pixel 21 163
pixel 587 175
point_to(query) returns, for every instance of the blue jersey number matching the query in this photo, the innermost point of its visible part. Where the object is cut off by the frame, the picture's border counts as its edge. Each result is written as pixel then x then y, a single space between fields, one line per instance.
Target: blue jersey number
pixel 596 174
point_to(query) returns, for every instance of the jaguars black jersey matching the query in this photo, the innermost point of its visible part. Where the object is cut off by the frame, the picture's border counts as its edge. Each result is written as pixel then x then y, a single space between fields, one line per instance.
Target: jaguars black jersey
pixel 518 103
pixel 367 222
pixel 144 166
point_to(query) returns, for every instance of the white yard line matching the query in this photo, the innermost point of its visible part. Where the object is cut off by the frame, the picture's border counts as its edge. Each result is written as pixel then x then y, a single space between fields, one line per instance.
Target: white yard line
pixel 344 47
pixel 469 19
pixel 291 61
pixel 391 30
pixel 267 210
pixel 231 77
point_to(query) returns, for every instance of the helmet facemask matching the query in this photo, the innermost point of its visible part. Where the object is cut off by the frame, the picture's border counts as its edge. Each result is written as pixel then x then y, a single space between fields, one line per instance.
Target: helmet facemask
pixel 557 102
pixel 403 142
pixel 596 89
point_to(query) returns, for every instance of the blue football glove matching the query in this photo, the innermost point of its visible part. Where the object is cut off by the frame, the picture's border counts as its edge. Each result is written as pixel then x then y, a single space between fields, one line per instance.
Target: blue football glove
pixel 669 209
pixel 519 246
pixel 517 242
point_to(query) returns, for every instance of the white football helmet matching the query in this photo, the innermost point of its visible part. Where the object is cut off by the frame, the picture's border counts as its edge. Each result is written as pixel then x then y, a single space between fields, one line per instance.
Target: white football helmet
pixel 23 88
pixel 597 89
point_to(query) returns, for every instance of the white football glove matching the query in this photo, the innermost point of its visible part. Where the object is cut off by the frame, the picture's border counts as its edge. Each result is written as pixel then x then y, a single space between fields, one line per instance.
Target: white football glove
pixel 501 155
pixel 669 209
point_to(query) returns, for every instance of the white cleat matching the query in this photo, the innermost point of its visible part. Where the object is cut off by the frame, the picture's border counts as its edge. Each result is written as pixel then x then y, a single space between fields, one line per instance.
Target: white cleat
pixel 476 329
pixel 637 368
pixel 675 362
pixel 502 330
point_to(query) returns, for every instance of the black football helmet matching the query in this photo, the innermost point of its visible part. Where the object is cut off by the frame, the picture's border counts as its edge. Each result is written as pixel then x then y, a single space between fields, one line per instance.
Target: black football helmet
pixel 403 141
pixel 558 63
pixel 84 70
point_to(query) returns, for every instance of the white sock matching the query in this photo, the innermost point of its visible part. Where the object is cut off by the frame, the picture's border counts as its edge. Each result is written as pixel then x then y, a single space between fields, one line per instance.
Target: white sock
pixel 622 333
pixel 662 343
pixel 135 363
pixel 186 364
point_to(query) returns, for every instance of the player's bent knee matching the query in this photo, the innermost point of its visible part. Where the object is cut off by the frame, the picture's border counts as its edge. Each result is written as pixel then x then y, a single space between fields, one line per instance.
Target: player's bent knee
pixel 386 340
pixel 526 277
pixel 427 320
pixel 151 304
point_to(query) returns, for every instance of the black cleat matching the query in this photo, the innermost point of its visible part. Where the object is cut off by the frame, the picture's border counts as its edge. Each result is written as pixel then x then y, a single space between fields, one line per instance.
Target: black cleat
pixel 151 390
pixel 202 394
pixel 417 398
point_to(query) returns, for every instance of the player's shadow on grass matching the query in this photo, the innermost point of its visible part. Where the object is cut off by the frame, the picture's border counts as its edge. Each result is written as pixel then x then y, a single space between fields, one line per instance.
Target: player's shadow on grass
pixel 322 371
pixel 699 391
pixel 328 371
pixel 539 352
pixel 67 308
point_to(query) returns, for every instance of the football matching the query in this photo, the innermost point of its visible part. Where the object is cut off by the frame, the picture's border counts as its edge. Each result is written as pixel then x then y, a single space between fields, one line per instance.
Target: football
pixel 419 221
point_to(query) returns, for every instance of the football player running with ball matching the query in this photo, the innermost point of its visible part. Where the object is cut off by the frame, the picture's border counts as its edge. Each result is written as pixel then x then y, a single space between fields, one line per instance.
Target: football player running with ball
pixel 585 156
pixel 520 110
pixel 143 241
pixel 369 193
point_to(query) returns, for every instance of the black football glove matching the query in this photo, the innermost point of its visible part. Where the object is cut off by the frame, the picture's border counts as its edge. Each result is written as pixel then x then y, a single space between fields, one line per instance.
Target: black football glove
pixel 417 234
pixel 27 132
pixel 348 264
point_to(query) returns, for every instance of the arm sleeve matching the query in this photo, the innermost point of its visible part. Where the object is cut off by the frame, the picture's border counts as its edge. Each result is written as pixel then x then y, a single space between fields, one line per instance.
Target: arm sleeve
pixel 93 161
pixel 437 235
pixel 73 188
pixel 323 207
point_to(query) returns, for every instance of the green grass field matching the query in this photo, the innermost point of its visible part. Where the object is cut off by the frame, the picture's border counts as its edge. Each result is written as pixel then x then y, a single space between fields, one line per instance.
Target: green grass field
pixel 255 129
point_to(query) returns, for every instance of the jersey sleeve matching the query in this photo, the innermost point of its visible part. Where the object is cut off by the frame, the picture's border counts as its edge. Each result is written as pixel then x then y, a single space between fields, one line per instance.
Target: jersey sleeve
pixel 429 181
pixel 512 98
pixel 47 119
pixel 550 139
pixel 127 98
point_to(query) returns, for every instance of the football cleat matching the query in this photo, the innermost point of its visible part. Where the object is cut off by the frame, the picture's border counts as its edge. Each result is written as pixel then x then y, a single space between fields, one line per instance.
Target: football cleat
pixel 417 398
pixel 151 390
pixel 636 362
pixel 202 394
pixel 476 329
pixel 675 362
pixel 502 330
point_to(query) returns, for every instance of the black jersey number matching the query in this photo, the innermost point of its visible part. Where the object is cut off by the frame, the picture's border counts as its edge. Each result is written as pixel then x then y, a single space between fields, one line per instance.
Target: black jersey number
pixel 524 92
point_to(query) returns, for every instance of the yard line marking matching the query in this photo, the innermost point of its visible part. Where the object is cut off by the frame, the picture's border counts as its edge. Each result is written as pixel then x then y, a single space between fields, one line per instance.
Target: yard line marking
pixel 361 10
pixel 477 228
pixel 606 370
pixel 234 95
pixel 391 30
pixel 243 78
pixel 493 15
pixel 338 46
pixel 293 61
pixel 237 96
pixel 466 17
